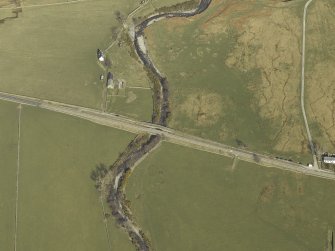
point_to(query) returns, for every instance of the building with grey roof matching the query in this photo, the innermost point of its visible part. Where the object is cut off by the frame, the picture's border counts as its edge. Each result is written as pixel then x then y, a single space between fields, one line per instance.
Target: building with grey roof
pixel 110 82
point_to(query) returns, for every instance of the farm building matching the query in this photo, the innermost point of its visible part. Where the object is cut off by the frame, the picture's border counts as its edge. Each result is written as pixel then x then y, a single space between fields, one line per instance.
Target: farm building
pixel 110 82
pixel 329 159
pixel 100 55
pixel 121 84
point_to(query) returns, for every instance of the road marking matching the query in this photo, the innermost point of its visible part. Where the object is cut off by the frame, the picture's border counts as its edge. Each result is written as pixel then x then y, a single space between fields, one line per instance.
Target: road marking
pixel 17 177
pixel 310 140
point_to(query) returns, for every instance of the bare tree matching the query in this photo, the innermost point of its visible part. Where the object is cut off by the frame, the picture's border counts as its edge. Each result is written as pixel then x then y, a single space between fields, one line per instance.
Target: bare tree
pixel 119 16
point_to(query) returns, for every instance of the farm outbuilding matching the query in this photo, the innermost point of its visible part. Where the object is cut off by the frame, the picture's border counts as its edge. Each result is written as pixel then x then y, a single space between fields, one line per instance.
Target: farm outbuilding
pixel 110 82
pixel 100 55
pixel 329 159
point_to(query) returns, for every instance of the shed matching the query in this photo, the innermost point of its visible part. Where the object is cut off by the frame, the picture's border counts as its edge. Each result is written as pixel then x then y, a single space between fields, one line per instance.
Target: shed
pixel 100 55
pixel 110 82
pixel 329 159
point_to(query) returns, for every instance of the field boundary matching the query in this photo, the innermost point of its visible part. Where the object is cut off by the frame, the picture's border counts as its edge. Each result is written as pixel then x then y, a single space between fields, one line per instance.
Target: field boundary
pixel 17 177
pixel 106 223
pixel 45 5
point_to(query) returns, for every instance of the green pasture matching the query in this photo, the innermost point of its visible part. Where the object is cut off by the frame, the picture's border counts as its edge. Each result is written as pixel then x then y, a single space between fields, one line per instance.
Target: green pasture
pixel 59 208
pixel 50 52
pixel 9 115
pixel 127 66
pixel 185 199
pixel 136 103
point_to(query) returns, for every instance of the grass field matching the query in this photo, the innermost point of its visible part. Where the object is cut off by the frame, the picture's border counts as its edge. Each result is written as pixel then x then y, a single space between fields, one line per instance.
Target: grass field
pixel 127 66
pixel 59 208
pixel 189 200
pixel 57 45
pixel 320 79
pixel 50 52
pixel 237 81
pixel 8 149
pixel 137 104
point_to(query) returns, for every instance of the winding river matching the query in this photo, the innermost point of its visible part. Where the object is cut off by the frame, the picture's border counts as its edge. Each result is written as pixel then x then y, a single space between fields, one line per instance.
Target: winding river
pixel 135 153
pixel 164 108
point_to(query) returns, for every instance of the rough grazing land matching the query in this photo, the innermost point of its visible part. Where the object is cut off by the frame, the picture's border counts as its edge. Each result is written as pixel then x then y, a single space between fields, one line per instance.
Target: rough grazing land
pixel 189 200
pixel 320 80
pixel 238 80
pixel 59 208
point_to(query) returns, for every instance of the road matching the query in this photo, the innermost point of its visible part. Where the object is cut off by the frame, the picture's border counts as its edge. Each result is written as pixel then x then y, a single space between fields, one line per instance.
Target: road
pixel 309 135
pixel 168 134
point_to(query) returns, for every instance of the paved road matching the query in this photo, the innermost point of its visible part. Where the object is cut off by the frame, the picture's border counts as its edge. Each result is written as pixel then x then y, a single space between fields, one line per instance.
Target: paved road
pixel 310 140
pixel 168 134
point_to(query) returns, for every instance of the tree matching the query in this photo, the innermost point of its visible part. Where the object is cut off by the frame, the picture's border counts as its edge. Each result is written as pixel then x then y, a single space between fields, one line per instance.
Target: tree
pixel 256 157
pixel 99 172
pixel 119 16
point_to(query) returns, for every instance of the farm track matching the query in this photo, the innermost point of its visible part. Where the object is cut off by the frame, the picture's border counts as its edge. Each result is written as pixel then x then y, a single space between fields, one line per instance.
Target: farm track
pixel 309 135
